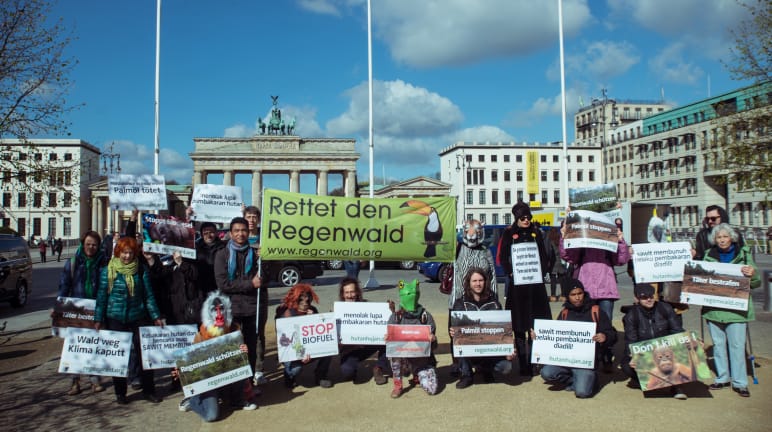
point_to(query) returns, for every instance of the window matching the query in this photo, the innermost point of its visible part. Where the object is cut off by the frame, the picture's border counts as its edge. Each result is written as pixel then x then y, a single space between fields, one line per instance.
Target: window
pixel 52 156
pixel 494 197
pixel 518 158
pixel 495 220
pixel 494 158
pixel 507 197
pixel 67 227
pixel 36 226
pixel 22 176
pixel 556 196
pixel 544 176
pixel 579 176
pixel 506 158
pixel 37 201
pixel 543 158
pixel 591 174
pixel 21 226
pixel 22 200
pixel 67 199
pixel 469 197
pixel 482 217
pixel 555 175
pixel 507 218
pixel 6 156
pixel 68 156
pixel 6 176
pixel 480 158
pixel 68 178
pixel 494 175
pixel 507 176
pixel 555 158
pixel 519 175
pixel 482 198
pixel 469 216
pixel 52 199
pixel 6 199
pixel 22 157
pixel 578 158
pixel 544 197
pixel 519 195
pixel 38 157
pixel 52 227
pixel 590 158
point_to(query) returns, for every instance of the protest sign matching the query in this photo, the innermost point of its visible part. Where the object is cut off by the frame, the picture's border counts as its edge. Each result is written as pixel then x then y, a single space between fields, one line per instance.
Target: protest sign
pixel 104 352
pixel 660 262
pixel 591 230
pixel 598 198
pixel 166 235
pixel 306 335
pixel 137 192
pixel 669 360
pixel 72 312
pixel 408 340
pixel 299 226
pixel 362 323
pixel 212 364
pixel 216 203
pixel 482 333
pixel 564 343
pixel 715 284
pixel 159 344
pixel 526 263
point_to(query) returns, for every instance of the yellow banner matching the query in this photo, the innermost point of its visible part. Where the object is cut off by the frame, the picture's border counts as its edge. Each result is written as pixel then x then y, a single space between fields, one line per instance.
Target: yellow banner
pixel 532 172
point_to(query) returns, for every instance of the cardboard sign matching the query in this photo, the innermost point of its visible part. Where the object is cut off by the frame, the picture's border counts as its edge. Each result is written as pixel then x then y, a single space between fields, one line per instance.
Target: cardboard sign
pixel 104 352
pixel 599 198
pixel 212 364
pixel 216 203
pixel 715 284
pixel 163 235
pixel 137 192
pixel 160 344
pixel 660 262
pixel 564 343
pixel 591 230
pixel 526 263
pixel 482 333
pixel 669 360
pixel 362 323
pixel 72 312
pixel 408 341
pixel 314 335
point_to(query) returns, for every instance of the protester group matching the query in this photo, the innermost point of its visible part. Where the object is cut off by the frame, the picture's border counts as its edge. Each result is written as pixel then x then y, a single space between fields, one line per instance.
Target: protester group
pixel 224 291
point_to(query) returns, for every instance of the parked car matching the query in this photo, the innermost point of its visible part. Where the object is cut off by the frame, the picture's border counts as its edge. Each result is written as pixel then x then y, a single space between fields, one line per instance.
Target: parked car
pixel 15 270
pixel 289 272
pixel 435 271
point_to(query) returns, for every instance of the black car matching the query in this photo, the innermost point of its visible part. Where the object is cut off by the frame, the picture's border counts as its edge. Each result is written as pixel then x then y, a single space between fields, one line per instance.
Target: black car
pixel 288 272
pixel 15 270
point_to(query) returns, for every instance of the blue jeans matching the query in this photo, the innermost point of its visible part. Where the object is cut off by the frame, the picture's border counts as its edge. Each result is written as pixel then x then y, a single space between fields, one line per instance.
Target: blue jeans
pixel 206 406
pixel 607 306
pixel 487 365
pixel 731 336
pixel 352 268
pixel 581 380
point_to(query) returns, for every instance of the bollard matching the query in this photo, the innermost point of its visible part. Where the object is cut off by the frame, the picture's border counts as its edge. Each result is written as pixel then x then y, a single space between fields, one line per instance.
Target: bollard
pixel 767 290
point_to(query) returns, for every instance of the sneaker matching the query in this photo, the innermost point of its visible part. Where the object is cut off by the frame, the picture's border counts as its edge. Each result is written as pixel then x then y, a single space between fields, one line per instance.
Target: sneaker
pixel 464 382
pixel 136 384
pixel 378 376
pixel 121 400
pixel 260 378
pixel 742 391
pixel 248 406
pixel 325 383
pixel 289 382
pixel 718 386
pixel 184 405
pixel 678 394
pixel 151 397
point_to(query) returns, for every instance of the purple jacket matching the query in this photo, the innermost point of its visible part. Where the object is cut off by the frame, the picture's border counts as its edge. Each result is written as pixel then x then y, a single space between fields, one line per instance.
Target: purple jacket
pixel 596 269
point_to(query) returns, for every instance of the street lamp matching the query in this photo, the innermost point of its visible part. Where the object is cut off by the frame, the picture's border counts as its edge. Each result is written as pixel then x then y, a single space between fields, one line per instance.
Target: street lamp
pixel 115 162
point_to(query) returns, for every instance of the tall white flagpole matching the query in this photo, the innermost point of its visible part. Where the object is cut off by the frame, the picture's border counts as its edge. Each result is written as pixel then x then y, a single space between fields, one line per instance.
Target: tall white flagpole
pixel 563 104
pixel 157 86
pixel 371 281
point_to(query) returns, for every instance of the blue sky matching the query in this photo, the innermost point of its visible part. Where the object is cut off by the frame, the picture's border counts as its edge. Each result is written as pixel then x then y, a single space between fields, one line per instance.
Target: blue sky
pixel 444 70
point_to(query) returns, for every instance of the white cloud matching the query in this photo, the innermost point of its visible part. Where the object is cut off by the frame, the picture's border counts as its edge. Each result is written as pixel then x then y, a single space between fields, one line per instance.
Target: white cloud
pixel 400 109
pixel 305 123
pixel 546 107
pixel 324 7
pixel 670 65
pixel 140 159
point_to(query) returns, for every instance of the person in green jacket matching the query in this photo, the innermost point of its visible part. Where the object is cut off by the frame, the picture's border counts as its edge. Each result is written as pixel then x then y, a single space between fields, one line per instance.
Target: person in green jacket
pixel 728 327
pixel 124 302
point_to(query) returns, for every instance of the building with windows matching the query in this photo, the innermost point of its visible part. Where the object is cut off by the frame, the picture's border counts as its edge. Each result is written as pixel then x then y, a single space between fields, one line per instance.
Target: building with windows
pixel 489 178
pixel 45 186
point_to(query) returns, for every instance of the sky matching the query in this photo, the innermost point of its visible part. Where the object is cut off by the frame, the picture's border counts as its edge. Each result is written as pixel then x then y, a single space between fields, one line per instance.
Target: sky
pixel 444 71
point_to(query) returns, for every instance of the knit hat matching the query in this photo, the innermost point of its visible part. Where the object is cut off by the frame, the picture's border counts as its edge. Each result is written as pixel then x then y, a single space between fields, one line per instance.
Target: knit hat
pixel 520 209
pixel 644 289
pixel 569 286
pixel 207 225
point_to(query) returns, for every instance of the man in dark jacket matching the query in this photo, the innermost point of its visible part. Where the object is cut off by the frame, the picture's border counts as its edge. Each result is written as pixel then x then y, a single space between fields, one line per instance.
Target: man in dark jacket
pixel 714 215
pixel 236 274
pixel 647 319
pixel 580 307
pixel 206 248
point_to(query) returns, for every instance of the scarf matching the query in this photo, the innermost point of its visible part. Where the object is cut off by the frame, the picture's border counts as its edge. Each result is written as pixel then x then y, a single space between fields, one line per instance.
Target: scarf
pixel 91 263
pixel 728 256
pixel 128 271
pixel 233 251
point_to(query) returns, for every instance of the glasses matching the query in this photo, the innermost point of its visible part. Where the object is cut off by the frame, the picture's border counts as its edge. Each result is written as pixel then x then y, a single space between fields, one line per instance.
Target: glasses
pixel 524 218
pixel 714 218
pixel 645 297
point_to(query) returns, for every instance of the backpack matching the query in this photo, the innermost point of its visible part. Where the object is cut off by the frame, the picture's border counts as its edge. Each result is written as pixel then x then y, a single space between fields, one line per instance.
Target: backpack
pixel 594 311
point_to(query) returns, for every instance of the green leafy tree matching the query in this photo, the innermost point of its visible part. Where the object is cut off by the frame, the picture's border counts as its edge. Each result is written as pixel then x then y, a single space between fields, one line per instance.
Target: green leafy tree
pixel 750 59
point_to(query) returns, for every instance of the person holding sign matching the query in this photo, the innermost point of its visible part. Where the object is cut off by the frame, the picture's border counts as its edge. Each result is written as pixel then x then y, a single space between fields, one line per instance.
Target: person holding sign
pixel 526 301
pixel 252 215
pixel 411 313
pixel 298 302
pixel 80 278
pixel 478 297
pixel 580 307
pixel 351 291
pixel 728 327
pixel 647 319
pixel 124 300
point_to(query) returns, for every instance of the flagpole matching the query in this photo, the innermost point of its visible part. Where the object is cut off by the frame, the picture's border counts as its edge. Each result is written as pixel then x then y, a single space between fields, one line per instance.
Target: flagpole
pixel 371 281
pixel 563 105
pixel 157 86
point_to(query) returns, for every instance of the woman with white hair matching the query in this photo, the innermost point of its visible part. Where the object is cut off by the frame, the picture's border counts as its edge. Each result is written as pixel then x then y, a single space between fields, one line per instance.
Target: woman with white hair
pixel 728 327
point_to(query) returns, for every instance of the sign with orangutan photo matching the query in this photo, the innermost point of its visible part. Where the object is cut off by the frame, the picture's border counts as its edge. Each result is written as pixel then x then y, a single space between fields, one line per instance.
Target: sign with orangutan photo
pixel 669 360
pixel 166 235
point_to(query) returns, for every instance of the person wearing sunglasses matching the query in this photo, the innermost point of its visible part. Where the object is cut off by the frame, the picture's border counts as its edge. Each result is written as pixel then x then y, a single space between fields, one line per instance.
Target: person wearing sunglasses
pixel 714 216
pixel 647 319
pixel 525 301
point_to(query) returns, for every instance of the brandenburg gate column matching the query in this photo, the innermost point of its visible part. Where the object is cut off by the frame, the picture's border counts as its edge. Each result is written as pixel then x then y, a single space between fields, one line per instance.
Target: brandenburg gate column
pixel 227 177
pixel 351 183
pixel 321 184
pixel 94 213
pixel 198 177
pixel 257 188
pixel 100 225
pixel 294 181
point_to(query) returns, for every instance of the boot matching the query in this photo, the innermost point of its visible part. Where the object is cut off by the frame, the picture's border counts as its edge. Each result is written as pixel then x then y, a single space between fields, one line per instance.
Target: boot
pixel 75 389
pixel 97 388
pixel 397 391
pixel 378 376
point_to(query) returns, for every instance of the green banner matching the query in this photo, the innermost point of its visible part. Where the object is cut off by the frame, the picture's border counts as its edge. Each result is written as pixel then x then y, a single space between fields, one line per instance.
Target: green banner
pixel 300 226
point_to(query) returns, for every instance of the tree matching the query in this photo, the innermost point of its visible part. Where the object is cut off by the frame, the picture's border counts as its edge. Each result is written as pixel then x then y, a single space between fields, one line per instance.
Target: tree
pixel 33 70
pixel 750 59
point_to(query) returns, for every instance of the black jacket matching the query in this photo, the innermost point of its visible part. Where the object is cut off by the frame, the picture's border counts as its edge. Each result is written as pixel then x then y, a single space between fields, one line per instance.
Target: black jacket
pixel 643 324
pixel 205 264
pixel 584 313
pixel 469 304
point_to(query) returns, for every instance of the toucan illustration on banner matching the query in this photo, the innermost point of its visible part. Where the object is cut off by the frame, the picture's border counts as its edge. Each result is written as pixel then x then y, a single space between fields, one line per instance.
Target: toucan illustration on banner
pixel 433 227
